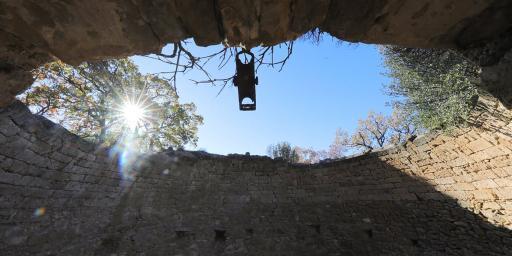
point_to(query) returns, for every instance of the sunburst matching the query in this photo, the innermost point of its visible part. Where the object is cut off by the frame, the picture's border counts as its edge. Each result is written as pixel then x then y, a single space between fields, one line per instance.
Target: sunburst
pixel 134 112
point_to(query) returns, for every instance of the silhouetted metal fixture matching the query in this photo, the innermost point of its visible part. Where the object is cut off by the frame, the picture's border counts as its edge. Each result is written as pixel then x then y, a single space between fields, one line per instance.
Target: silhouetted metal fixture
pixel 246 80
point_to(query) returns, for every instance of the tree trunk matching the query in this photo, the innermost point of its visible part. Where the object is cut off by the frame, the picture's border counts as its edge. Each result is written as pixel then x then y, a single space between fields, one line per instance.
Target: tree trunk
pixel 103 131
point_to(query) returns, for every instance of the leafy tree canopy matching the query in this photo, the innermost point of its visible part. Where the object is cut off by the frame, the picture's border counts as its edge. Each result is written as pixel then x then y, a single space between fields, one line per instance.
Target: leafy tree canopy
pixel 435 86
pixel 101 101
pixel 376 131
pixel 285 151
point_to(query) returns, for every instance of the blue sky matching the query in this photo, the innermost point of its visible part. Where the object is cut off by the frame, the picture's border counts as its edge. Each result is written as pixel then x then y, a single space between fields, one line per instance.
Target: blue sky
pixel 321 88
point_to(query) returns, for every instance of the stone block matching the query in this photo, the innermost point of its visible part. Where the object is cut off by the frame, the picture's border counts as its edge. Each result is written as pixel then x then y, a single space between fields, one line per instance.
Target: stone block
pixel 444 181
pixel 484 194
pixel 464 178
pixel 463 186
pixel 432 196
pixel 504 182
pixel 9 178
pixel 483 175
pixel 491 205
pixel 479 145
pixel 487 183
pixel 459 195
pixel 504 193
pixel 501 172
pixel 493 152
pixel 8 128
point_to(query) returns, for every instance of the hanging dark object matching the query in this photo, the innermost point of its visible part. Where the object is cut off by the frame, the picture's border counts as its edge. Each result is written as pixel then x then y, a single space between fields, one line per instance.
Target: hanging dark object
pixel 246 80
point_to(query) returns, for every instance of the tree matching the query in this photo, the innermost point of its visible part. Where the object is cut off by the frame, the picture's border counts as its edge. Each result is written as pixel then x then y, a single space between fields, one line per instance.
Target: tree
pixel 310 156
pixel 102 101
pixel 373 132
pixel 285 151
pixel 402 126
pixel 437 86
pixel 376 131
pixel 182 60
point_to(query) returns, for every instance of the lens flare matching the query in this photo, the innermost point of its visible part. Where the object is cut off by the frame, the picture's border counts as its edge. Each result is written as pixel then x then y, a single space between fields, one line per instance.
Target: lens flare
pixel 39 212
pixel 132 114
pixel 127 156
pixel 134 111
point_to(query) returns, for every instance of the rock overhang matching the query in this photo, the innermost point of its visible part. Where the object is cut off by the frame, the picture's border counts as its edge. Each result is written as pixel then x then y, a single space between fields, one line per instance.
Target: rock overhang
pixel 74 31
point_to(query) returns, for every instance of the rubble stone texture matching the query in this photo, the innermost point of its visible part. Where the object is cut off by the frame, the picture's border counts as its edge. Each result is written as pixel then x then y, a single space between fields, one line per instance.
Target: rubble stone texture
pixel 437 195
pixel 34 32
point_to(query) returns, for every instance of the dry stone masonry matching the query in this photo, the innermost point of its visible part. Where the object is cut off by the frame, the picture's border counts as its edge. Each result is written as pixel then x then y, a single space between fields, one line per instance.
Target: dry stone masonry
pixel 442 194
pixel 437 195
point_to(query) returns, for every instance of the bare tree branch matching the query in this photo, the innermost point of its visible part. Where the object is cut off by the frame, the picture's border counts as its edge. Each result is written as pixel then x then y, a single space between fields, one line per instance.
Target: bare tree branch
pixel 183 60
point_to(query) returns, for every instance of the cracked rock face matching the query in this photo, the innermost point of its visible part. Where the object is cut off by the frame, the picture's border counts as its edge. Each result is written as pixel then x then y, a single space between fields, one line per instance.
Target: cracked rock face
pixel 33 32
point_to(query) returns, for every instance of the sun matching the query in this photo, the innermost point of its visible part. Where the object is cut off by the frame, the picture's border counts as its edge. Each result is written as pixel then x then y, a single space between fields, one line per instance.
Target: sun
pixel 134 111
pixel 132 114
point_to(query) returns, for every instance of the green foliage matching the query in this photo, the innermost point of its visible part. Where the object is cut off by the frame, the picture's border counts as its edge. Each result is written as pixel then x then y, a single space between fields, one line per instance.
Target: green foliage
pixel 376 131
pixel 88 100
pixel 285 151
pixel 436 86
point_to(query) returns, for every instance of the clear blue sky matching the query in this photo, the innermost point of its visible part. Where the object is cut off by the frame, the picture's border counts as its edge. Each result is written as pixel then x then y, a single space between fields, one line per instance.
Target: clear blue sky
pixel 321 88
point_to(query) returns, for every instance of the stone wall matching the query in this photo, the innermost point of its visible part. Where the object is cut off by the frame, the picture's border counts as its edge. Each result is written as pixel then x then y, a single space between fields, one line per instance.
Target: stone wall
pixel 45 167
pixel 437 195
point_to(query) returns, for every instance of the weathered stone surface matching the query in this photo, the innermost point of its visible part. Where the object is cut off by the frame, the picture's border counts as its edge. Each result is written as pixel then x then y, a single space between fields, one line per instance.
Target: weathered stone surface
pixel 31 32
pixel 406 23
pixel 496 79
pixel 436 195
pixel 75 31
